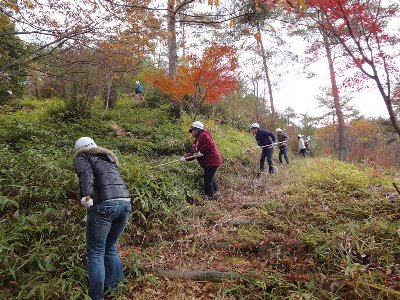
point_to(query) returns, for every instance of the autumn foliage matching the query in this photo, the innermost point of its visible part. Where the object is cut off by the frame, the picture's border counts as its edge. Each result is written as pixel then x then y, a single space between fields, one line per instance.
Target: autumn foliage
pixel 203 79
pixel 366 140
pixel 358 25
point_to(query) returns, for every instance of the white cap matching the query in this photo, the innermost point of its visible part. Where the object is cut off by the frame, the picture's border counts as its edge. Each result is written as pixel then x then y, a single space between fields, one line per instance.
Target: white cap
pixel 255 125
pixel 9 92
pixel 278 130
pixel 196 124
pixel 299 135
pixel 137 82
pixel 84 142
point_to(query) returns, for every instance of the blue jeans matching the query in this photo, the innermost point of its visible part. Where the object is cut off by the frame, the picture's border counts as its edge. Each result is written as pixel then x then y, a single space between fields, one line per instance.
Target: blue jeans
pixel 283 151
pixel 105 223
pixel 267 153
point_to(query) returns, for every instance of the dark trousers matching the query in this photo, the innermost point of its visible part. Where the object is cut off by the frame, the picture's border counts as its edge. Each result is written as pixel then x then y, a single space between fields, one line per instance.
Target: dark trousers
pixel 267 153
pixel 283 151
pixel 210 185
pixel 302 152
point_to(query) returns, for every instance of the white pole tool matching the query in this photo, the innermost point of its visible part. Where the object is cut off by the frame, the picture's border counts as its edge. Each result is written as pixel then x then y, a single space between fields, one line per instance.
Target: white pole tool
pixel 173 161
pixel 266 146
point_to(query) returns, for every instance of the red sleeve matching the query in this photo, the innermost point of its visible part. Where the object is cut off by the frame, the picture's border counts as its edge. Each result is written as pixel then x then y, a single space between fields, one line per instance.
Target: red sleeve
pixel 191 151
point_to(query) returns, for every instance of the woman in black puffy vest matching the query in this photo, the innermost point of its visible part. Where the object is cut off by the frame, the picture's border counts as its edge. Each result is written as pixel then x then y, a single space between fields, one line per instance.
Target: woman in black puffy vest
pixel 105 195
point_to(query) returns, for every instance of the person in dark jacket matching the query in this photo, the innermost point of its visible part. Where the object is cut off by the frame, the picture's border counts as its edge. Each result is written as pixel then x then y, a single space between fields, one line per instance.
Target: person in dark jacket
pixel 265 140
pixel 282 145
pixel 105 195
pixel 207 154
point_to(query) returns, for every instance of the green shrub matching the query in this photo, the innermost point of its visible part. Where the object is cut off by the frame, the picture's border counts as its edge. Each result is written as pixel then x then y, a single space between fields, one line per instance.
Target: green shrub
pixel 331 178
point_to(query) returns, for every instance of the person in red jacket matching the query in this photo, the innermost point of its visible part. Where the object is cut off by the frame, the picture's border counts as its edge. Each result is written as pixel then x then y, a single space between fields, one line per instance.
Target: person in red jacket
pixel 207 154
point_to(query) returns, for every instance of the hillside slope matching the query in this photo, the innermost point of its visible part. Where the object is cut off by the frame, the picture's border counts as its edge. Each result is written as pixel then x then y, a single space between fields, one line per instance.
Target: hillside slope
pixel 41 236
pixel 318 229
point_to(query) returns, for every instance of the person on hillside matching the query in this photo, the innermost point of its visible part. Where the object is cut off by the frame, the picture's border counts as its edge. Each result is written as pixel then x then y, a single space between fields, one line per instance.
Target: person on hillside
pixel 282 145
pixel 265 140
pixel 207 154
pixel 302 146
pixel 139 91
pixel 106 197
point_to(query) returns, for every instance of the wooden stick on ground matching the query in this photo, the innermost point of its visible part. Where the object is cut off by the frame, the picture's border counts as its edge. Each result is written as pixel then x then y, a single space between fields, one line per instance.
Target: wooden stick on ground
pixel 210 275
pixel 395 186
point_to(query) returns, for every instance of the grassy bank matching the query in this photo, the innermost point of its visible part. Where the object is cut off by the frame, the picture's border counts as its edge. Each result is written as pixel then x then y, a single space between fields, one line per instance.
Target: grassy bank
pixel 42 250
pixel 330 230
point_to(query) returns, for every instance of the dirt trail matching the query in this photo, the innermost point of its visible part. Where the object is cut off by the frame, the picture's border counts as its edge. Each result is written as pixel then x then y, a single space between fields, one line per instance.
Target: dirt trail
pixel 218 244
pixel 260 240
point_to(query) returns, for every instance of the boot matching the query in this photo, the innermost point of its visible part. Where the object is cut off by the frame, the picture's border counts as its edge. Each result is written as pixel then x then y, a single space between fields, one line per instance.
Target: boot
pixel 271 170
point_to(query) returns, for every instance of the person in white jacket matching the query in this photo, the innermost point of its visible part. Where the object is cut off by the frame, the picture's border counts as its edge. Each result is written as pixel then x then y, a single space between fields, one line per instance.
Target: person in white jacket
pixel 302 146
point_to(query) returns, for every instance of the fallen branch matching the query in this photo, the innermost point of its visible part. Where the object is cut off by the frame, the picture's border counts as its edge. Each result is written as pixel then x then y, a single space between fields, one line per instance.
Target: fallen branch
pixel 241 247
pixel 395 186
pixel 212 276
pixel 379 287
pixel 251 205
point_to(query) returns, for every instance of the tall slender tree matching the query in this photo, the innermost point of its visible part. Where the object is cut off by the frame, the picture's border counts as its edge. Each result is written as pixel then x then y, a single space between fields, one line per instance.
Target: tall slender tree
pixel 336 98
pixel 360 28
pixel 265 65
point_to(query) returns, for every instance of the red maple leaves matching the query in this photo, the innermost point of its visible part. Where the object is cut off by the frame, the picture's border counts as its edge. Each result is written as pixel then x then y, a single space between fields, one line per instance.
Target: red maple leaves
pixel 205 79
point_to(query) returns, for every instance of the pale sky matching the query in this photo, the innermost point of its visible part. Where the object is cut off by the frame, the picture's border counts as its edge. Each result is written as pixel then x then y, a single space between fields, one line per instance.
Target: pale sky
pixel 300 93
pixel 297 91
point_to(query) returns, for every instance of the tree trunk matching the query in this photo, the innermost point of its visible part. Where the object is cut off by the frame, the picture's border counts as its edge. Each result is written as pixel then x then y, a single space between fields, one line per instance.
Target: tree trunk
pixel 264 58
pixel 183 41
pixel 392 115
pixel 389 107
pixel 106 98
pixel 172 47
pixel 336 100
pixel 255 92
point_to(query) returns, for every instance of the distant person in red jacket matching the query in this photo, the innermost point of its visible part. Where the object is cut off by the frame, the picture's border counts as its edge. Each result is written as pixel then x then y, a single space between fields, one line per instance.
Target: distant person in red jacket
pixel 207 154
